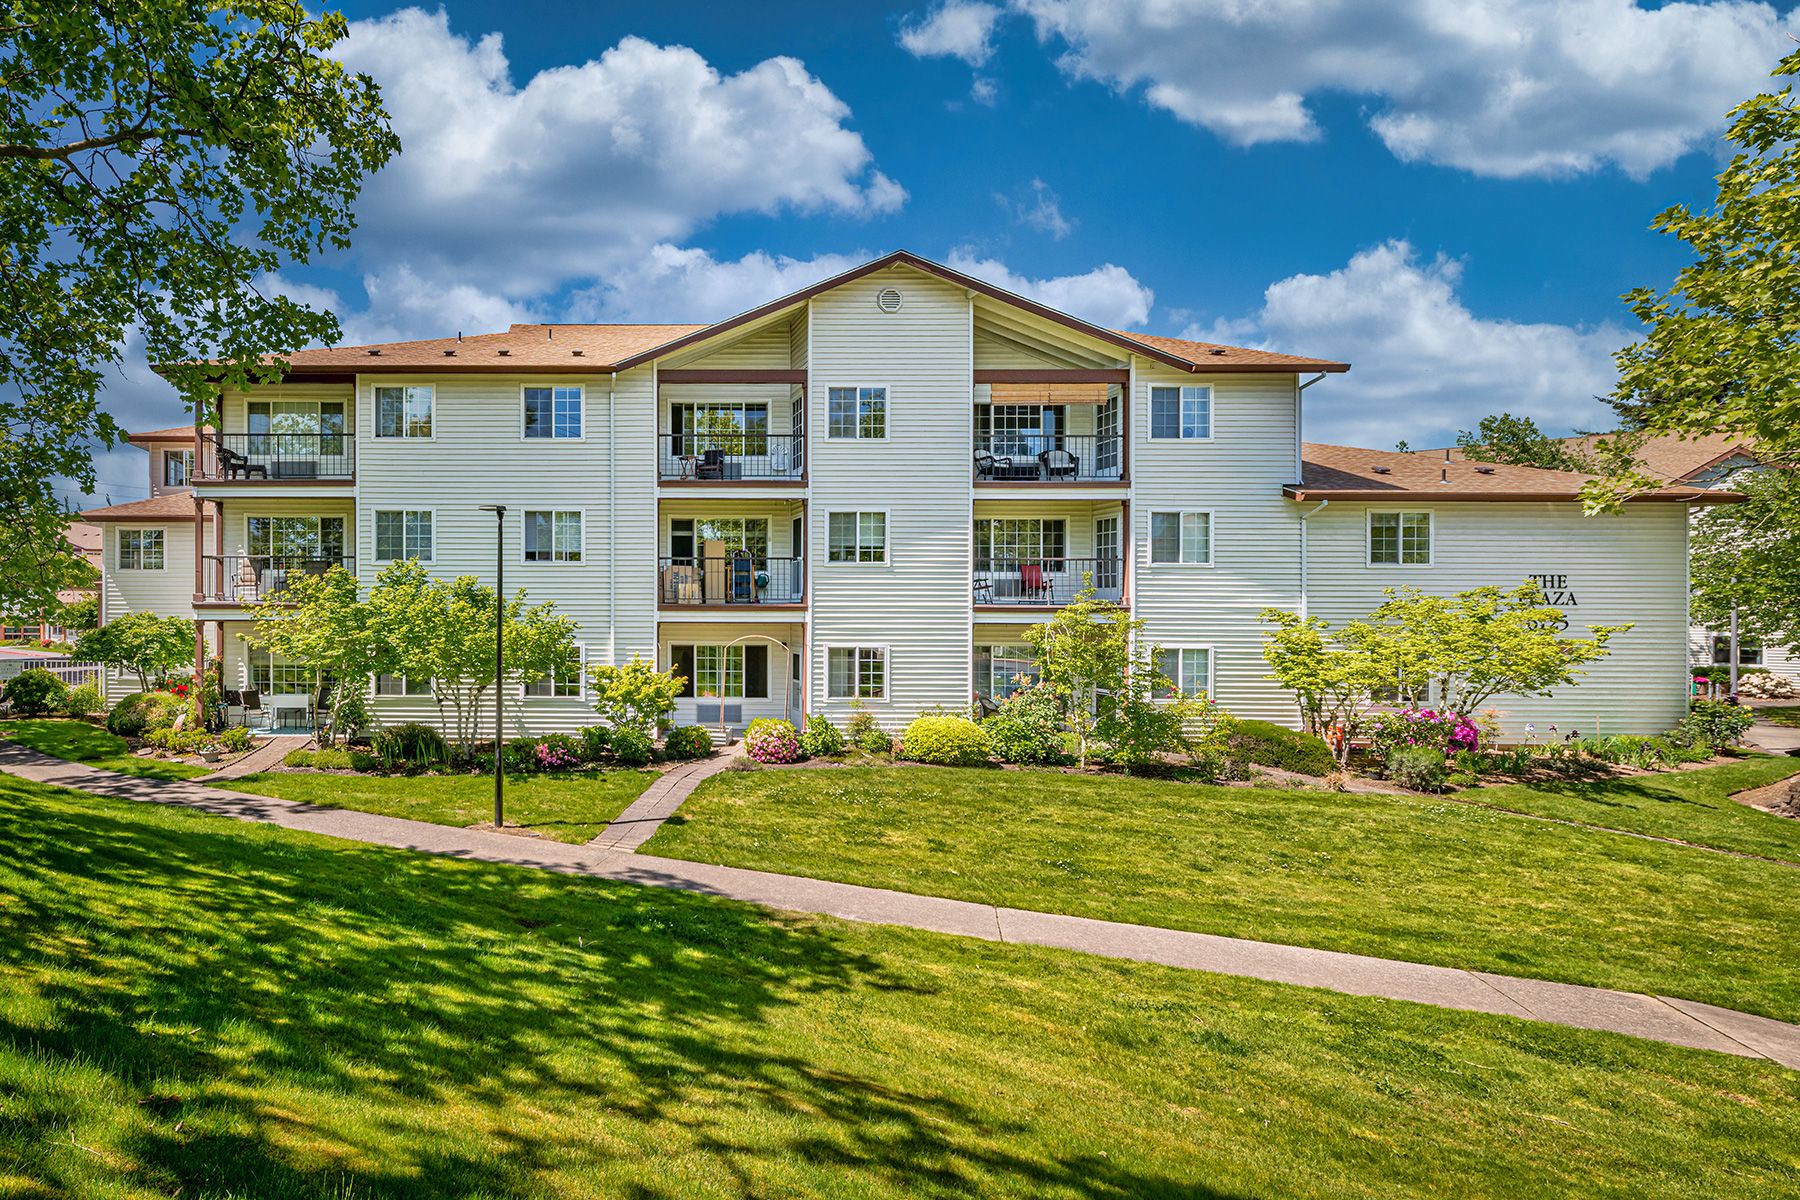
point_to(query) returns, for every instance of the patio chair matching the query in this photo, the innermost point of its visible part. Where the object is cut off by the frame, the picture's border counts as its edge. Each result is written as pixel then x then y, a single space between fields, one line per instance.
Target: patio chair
pixel 1033 586
pixel 237 466
pixel 255 715
pixel 1059 464
pixel 987 466
pixel 712 465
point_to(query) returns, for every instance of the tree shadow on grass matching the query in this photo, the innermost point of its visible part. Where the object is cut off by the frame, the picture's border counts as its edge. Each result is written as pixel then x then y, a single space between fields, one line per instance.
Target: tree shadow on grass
pixel 282 1016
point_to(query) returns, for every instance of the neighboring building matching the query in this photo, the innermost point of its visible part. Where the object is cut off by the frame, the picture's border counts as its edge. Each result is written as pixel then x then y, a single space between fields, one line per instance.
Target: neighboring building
pixel 86 539
pixel 866 492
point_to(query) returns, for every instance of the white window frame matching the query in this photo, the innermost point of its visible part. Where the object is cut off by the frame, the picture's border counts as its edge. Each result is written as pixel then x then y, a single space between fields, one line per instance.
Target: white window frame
pixel 887 412
pixel 552 388
pixel 581 680
pixel 887 671
pixel 376 693
pixel 525 519
pixel 119 533
pixel 887 538
pixel 1181 400
pixel 186 459
pixel 1212 666
pixel 1369 562
pixel 1212 537
pixel 375 541
pixel 403 436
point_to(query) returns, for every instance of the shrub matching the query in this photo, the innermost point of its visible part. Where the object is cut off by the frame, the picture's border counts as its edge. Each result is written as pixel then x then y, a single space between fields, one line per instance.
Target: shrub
pixel 141 712
pixel 875 740
pixel 1766 685
pixel 234 740
pixel 557 752
pixel 330 760
pixel 36 692
pixel 352 717
pixel 411 745
pixel 772 740
pixel 1445 732
pixel 83 701
pixel 946 741
pixel 633 747
pixel 1713 724
pixel 821 738
pixel 596 740
pixel 1421 768
pixel 688 741
pixel 1028 726
pixel 861 726
pixel 635 695
pixel 519 755
pixel 1267 744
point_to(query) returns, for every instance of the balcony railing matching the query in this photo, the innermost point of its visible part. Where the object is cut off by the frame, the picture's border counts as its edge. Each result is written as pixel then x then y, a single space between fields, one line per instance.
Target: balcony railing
pixel 1051 582
pixel 253 578
pixel 1050 457
pixel 744 579
pixel 730 456
pixel 243 456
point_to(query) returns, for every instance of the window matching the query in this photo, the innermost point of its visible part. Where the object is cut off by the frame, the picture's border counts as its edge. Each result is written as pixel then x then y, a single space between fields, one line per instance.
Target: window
pixel 296 537
pixel 1188 668
pixel 296 428
pixel 1003 542
pixel 723 672
pixel 687 536
pixel 735 429
pixel 400 685
pixel 279 676
pixel 1020 429
pixel 553 536
pixel 1399 539
pixel 564 682
pixel 1001 670
pixel 856 537
pixel 403 412
pixel 403 534
pixel 1181 537
pixel 856 673
pixel 1181 413
pixel 553 412
pixel 178 467
pixel 1749 651
pixel 140 549
pixel 856 412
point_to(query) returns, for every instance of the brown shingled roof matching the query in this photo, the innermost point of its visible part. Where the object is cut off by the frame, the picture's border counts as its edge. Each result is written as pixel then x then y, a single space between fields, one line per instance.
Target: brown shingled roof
pixel 1353 473
pixel 175 433
pixel 177 506
pixel 1221 357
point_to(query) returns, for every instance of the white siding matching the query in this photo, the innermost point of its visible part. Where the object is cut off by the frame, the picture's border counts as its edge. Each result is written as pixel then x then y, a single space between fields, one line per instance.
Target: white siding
pixel 166 592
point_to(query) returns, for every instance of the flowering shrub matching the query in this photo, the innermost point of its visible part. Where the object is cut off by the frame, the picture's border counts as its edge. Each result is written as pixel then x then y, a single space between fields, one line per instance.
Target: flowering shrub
pixel 772 740
pixel 1028 726
pixel 1766 685
pixel 1713 724
pixel 178 687
pixel 557 752
pixel 1446 732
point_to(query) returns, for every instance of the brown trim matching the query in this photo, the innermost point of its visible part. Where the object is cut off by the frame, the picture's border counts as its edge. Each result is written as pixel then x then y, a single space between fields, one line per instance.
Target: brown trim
pixel 1415 495
pixel 1009 375
pixel 1038 487
pixel 715 484
pixel 334 481
pixel 670 606
pixel 302 375
pixel 729 375
pixel 1709 464
pixel 199 559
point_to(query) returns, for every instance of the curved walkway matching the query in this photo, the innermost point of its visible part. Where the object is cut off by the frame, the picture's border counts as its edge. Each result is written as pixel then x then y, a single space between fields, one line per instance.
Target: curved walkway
pixel 1659 1018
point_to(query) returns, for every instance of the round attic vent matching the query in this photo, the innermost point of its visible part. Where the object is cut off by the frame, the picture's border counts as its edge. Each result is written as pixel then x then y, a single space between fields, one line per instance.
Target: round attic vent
pixel 888 300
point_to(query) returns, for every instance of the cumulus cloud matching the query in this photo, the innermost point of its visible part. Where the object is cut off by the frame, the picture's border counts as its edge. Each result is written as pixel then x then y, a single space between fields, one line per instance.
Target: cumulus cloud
pixel 584 166
pixel 953 29
pixel 1504 88
pixel 680 284
pixel 1037 207
pixel 1108 295
pixel 1424 365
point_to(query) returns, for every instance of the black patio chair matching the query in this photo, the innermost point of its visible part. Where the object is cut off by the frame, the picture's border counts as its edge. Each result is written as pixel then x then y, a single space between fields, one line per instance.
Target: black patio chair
pixel 711 466
pixel 237 466
pixel 987 466
pixel 1059 464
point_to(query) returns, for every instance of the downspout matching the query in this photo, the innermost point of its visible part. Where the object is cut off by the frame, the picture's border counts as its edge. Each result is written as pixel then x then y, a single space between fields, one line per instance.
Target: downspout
pixel 1311 512
pixel 612 518
pixel 1299 440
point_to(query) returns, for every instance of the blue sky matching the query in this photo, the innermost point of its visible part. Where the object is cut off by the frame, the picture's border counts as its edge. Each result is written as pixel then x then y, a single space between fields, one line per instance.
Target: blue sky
pixel 1452 197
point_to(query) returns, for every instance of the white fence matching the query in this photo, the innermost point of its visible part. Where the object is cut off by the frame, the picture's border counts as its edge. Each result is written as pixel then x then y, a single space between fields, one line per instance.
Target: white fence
pixel 73 674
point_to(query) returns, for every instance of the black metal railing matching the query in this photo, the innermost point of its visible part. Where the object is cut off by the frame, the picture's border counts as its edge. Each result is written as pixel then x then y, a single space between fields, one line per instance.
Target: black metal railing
pixel 741 579
pixel 251 578
pixel 1048 581
pixel 725 457
pixel 1051 457
pixel 234 456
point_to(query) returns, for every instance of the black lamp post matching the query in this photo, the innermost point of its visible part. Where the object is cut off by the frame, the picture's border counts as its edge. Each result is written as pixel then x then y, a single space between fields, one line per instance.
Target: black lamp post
pixel 499 511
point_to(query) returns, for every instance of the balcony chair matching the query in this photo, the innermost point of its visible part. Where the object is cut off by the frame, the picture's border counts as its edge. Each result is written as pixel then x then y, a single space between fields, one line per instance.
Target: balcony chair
pixel 711 466
pixel 237 466
pixel 743 582
pixel 1059 464
pixel 1033 586
pixel 989 467
pixel 255 715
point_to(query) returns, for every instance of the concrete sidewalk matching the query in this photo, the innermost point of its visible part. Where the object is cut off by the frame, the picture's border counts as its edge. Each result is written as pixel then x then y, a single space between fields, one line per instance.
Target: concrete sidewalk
pixel 645 815
pixel 1658 1018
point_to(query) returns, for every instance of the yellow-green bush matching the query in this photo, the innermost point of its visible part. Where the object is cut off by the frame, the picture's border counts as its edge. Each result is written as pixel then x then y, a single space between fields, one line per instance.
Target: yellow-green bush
pixel 946 741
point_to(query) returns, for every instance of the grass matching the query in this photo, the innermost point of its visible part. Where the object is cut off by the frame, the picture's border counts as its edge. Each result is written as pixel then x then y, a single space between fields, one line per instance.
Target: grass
pixel 80 742
pixel 1398 877
pixel 1787 714
pixel 195 1006
pixel 567 806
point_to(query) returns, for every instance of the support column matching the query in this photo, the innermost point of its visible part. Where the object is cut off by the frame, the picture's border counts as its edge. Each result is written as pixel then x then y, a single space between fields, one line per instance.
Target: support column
pixel 199 650
pixel 199 541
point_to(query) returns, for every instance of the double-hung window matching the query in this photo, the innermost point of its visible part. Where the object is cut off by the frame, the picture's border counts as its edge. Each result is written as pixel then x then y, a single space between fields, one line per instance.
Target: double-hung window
pixel 404 412
pixel 856 412
pixel 400 685
pixel 553 536
pixel 403 533
pixel 1181 413
pixel 553 412
pixel 723 672
pixel 1188 668
pixel 562 683
pixel 856 673
pixel 856 537
pixel 140 549
pixel 1749 651
pixel 1181 537
pixel 1400 539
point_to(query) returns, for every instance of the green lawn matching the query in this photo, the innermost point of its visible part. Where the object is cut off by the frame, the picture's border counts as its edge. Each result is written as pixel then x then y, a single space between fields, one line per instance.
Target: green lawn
pixel 1782 715
pixel 199 1007
pixel 80 742
pixel 570 807
pixel 1399 877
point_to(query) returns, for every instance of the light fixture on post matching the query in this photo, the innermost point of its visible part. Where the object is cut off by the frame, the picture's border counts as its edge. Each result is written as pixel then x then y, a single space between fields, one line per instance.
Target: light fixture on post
pixel 499 511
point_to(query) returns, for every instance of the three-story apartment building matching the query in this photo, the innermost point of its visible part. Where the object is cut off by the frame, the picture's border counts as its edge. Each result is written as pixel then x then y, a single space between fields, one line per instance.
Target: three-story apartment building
pixel 866 492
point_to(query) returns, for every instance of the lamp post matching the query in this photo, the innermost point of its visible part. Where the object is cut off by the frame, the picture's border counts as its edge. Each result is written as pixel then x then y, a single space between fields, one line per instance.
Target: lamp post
pixel 499 511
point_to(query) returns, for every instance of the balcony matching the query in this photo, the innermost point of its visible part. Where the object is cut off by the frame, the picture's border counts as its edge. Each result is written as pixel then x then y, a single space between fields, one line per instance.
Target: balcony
pixel 1045 582
pixel 255 578
pixel 1048 458
pixel 741 580
pixel 292 457
pixel 731 457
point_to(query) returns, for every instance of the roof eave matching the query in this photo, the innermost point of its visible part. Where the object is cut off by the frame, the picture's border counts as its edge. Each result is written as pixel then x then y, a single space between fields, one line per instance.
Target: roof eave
pixel 1695 496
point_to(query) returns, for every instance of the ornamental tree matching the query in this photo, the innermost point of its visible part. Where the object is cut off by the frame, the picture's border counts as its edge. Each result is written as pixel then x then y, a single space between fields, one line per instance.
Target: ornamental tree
pixel 319 620
pixel 635 695
pixel 1748 556
pixel 141 643
pixel 159 161
pixel 1334 673
pixel 1504 438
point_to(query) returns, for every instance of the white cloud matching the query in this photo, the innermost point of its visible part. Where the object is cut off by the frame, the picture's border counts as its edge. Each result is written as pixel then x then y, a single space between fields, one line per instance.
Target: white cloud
pixel 584 166
pixel 1037 207
pixel 1108 295
pixel 954 29
pixel 678 285
pixel 1424 366
pixel 1505 88
pixel 984 91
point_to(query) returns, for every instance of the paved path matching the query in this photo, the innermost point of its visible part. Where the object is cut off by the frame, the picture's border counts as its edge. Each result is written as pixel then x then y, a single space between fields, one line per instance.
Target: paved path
pixel 633 827
pixel 265 756
pixel 1776 739
pixel 1659 1018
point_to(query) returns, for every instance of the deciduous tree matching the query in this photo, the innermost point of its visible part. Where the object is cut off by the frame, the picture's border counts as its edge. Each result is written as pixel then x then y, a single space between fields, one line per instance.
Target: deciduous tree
pixel 1504 438
pixel 320 621
pixel 1748 555
pixel 142 643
